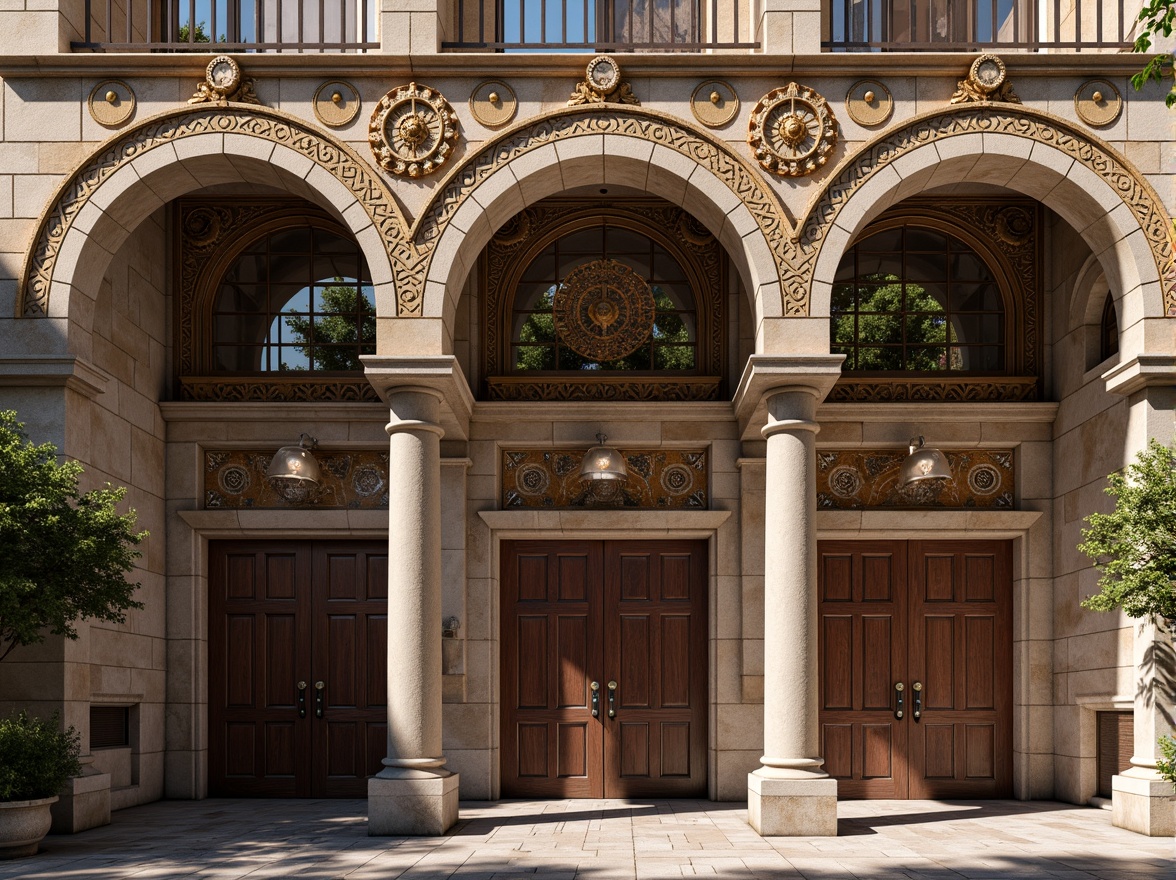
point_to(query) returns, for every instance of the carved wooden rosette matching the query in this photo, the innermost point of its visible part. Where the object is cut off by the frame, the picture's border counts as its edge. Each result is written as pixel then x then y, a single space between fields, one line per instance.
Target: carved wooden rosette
pixel 413 130
pixel 604 310
pixel 792 131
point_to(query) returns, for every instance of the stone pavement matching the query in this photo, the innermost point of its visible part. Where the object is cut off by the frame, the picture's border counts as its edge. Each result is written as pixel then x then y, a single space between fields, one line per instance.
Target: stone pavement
pixel 601 840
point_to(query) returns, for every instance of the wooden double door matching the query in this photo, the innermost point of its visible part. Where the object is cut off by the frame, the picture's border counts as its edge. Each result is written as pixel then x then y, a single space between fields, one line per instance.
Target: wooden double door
pixel 297 651
pixel 604 672
pixel 916 668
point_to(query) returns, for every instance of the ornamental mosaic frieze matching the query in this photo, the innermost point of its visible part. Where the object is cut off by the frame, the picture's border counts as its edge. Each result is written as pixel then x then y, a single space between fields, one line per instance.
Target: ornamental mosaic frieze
pixel 350 481
pixel 658 479
pixel 987 80
pixel 602 85
pixel 413 130
pixel 224 82
pixel 866 479
pixel 792 131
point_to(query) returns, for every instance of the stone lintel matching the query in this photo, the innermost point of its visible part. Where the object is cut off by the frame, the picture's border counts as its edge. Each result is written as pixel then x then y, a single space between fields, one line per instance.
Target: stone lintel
pixel 765 374
pixel 439 373
pixel 416 804
pixel 792 807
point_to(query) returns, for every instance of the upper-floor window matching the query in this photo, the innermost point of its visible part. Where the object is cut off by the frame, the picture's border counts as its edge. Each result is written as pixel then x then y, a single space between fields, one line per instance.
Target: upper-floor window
pixel 972 25
pixel 1108 330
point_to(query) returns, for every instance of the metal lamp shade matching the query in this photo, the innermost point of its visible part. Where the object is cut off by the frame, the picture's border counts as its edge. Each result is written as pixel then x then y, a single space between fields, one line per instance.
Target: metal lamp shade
pixel 294 466
pixel 923 463
pixel 603 463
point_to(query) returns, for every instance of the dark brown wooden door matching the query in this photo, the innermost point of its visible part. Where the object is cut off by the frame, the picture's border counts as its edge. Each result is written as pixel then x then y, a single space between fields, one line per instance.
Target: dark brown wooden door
pixel 627 612
pixel 283 614
pixel 936 618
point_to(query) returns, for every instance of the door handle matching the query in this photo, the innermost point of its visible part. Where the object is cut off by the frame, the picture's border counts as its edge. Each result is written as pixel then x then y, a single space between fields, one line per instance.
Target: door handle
pixel 899 687
pixel 301 699
pixel 595 699
pixel 612 699
pixel 917 687
pixel 318 698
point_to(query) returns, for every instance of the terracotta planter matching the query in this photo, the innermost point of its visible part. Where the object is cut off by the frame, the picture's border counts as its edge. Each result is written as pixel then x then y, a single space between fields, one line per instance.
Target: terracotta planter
pixel 22 826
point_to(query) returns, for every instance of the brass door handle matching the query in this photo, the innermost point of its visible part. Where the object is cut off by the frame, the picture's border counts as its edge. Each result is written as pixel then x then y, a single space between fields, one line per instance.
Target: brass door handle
pixel 612 699
pixel 301 699
pixel 595 699
pixel 917 687
pixel 318 698
pixel 899 687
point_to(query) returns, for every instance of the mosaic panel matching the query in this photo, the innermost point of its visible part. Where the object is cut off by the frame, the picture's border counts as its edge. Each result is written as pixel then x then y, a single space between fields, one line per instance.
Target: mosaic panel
pixel 550 478
pixel 857 479
pixel 351 480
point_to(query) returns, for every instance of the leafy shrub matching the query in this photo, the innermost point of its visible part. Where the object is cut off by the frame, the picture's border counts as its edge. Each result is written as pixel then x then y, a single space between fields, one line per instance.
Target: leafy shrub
pixel 36 757
pixel 1167 762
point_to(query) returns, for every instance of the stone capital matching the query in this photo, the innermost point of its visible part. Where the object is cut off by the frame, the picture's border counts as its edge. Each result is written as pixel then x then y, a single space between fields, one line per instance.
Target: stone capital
pixel 440 375
pixel 810 377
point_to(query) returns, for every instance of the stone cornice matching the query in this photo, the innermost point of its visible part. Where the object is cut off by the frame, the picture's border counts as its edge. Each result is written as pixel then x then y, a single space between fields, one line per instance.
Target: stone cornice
pixel 42 370
pixel 605 523
pixel 1141 372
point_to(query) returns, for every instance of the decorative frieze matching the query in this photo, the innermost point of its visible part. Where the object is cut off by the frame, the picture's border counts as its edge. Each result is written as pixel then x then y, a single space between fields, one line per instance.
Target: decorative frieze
pixel 860 479
pixel 351 480
pixel 662 479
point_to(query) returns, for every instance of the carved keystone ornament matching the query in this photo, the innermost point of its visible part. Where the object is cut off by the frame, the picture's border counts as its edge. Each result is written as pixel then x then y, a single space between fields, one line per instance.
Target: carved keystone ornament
pixel 224 82
pixel 987 80
pixel 413 130
pixel 792 131
pixel 602 84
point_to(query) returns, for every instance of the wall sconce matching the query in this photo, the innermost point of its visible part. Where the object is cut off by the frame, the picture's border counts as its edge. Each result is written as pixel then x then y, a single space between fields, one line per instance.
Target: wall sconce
pixel 294 472
pixel 603 463
pixel 923 463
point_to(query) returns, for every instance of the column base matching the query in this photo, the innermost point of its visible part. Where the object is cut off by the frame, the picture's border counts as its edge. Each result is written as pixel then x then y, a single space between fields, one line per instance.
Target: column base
pixel 792 807
pixel 1142 802
pixel 414 803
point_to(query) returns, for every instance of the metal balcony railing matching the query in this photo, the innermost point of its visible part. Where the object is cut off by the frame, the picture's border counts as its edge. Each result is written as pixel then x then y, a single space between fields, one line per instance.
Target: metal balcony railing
pixel 599 25
pixel 229 25
pixel 969 25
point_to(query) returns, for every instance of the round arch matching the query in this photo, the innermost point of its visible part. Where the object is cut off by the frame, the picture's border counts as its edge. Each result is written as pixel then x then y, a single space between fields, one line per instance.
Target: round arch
pixel 173 153
pixel 1083 180
pixel 594 145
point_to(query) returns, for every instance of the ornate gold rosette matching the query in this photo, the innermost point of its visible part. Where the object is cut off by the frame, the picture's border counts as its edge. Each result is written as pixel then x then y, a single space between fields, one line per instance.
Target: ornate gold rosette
pixel 604 310
pixel 792 131
pixel 413 130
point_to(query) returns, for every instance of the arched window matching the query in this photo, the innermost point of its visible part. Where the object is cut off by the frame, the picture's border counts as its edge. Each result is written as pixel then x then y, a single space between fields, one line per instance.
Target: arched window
pixel 275 303
pixel 1108 330
pixel 917 299
pixel 591 301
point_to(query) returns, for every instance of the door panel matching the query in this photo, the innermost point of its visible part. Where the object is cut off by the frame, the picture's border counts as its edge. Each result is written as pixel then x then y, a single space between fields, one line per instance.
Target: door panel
pixel 551 647
pixel 632 613
pixel 863 625
pixel 281 613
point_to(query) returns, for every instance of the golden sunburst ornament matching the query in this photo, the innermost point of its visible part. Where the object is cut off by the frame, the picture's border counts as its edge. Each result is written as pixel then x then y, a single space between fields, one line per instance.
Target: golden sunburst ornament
pixel 413 130
pixel 792 131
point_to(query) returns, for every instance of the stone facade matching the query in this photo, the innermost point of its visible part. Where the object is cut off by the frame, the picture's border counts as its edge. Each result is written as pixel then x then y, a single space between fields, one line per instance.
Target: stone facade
pixel 89 333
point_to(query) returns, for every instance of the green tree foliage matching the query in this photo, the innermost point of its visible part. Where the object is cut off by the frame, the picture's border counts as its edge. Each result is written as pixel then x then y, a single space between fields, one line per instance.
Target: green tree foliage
pixel 200 35
pixel 881 315
pixel 1135 546
pixel 346 327
pixel 63 555
pixel 1158 18
pixel 1167 762
pixel 36 757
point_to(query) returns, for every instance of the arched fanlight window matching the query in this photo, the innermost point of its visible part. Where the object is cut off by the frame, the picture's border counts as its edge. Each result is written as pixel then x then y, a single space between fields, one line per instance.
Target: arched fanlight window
pixel 604 298
pixel 1108 330
pixel 916 299
pixel 295 300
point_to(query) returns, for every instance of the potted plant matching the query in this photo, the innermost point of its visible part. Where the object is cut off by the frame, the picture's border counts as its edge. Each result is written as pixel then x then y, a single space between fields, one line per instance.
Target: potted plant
pixel 36 758
pixel 64 555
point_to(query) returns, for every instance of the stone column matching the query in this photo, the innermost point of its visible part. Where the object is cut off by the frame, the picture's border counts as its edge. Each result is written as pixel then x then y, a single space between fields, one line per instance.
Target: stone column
pixel 790 794
pixel 414 793
pixel 1141 800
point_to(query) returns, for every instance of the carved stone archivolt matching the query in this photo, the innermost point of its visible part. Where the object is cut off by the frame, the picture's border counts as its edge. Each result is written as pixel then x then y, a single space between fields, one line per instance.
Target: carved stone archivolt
pixel 413 130
pixel 792 131
pixel 987 80
pixel 658 479
pixel 604 310
pixel 602 84
pixel 864 479
pixel 224 82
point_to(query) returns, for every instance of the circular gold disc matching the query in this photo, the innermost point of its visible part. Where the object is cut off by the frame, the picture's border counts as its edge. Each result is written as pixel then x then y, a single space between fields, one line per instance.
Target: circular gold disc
pixel 714 103
pixel 1101 110
pixel 112 103
pixel 493 103
pixel 868 102
pixel 336 103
